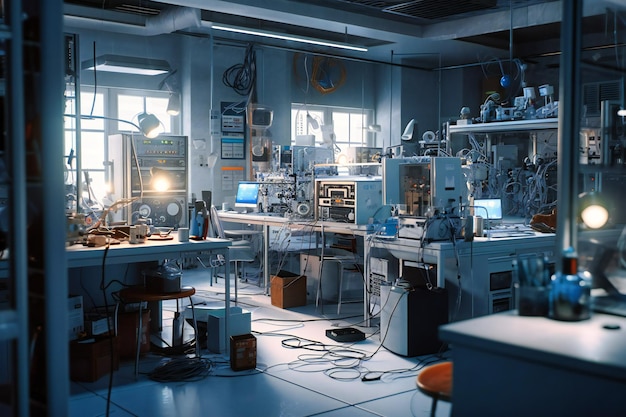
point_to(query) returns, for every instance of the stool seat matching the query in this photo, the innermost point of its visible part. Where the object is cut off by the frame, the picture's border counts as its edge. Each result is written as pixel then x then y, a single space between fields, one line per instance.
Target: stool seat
pixel 436 381
pixel 138 294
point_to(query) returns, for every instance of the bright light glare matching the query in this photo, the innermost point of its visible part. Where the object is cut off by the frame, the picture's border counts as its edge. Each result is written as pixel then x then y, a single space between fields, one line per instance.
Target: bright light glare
pixel 160 184
pixel 595 216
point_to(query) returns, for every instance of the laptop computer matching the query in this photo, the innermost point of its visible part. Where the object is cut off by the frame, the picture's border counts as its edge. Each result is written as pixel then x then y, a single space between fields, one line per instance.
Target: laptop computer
pixel 489 209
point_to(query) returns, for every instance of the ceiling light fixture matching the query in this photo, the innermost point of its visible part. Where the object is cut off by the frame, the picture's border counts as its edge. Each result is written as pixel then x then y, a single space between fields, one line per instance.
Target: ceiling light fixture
pixel 127 65
pixel 294 38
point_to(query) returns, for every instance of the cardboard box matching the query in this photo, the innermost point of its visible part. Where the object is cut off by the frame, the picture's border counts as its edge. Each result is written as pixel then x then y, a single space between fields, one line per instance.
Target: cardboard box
pixel 91 359
pixel 240 323
pixel 76 319
pixel 127 323
pixel 288 289
pixel 242 352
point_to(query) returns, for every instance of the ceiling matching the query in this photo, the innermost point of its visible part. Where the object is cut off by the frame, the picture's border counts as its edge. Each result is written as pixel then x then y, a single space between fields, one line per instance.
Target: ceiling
pixel 424 33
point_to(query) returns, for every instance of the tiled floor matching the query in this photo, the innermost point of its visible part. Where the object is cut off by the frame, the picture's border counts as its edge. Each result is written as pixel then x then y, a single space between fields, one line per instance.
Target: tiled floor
pixel 300 372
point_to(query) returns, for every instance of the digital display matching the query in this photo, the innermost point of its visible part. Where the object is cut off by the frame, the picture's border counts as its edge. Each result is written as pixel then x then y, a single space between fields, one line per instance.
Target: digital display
pixel 247 194
pixel 490 208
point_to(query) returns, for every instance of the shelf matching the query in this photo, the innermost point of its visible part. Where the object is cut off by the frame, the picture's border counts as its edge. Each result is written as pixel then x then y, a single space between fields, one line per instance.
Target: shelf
pixel 508 126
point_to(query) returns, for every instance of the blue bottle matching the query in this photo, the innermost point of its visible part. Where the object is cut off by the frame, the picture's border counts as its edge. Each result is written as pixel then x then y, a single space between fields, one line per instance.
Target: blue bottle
pixel 570 293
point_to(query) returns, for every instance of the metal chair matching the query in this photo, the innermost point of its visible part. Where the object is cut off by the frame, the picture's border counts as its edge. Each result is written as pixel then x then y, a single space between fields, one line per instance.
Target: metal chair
pixel 239 252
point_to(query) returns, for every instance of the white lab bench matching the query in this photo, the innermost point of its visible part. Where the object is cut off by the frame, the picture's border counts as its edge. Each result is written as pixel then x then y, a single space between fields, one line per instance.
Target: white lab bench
pixel 481 269
pixel 511 365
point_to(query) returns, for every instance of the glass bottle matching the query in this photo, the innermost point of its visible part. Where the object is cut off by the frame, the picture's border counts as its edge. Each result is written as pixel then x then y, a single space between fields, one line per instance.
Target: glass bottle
pixel 570 293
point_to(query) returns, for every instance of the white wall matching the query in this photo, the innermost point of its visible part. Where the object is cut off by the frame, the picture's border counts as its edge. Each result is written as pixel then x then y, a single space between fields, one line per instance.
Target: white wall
pixel 415 93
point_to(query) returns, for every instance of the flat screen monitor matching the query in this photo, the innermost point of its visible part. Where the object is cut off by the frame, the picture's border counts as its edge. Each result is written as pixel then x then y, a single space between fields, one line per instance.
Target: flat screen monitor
pixel 490 208
pixel 247 194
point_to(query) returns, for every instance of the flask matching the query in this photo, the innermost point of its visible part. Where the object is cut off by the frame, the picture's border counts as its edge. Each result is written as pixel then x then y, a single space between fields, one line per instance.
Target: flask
pixel 570 293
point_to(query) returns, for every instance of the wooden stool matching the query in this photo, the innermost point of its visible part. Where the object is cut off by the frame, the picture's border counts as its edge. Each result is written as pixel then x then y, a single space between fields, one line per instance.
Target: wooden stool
pixel 141 294
pixel 436 382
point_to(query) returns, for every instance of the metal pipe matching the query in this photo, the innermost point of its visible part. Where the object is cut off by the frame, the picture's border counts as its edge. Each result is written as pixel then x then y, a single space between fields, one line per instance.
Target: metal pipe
pixel 569 126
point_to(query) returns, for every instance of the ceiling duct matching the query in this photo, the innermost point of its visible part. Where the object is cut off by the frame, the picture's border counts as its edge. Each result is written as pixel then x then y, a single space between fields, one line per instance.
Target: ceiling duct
pixel 172 19
pixel 169 20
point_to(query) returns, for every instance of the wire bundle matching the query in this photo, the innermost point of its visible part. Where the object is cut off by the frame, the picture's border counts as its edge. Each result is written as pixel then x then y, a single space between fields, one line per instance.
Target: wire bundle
pixel 181 369
pixel 242 77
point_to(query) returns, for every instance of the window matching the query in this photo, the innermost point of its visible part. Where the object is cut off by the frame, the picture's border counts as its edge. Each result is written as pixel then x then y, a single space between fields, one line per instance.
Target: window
pixel 347 124
pixel 120 106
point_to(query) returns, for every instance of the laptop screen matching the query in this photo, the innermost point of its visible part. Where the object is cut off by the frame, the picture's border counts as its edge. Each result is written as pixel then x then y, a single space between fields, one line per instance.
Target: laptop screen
pixel 490 208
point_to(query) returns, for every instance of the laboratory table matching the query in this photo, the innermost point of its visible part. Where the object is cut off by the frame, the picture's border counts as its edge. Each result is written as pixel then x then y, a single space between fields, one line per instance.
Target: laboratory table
pixel 152 250
pixel 511 365
pixel 267 220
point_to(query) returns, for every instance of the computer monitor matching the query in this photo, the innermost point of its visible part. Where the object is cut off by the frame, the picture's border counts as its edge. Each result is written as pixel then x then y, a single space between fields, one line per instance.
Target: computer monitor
pixel 247 194
pixel 489 208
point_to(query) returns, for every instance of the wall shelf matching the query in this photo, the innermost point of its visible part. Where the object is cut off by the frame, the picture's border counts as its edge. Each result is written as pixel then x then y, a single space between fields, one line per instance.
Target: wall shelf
pixel 507 126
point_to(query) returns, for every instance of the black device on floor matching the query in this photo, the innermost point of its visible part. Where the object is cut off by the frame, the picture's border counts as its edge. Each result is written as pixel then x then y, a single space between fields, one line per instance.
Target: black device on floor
pixel 346 334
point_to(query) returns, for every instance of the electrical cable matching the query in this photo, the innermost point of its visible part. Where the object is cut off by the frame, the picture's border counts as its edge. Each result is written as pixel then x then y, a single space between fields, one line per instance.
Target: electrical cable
pixel 181 370
pixel 242 77
pixel 111 344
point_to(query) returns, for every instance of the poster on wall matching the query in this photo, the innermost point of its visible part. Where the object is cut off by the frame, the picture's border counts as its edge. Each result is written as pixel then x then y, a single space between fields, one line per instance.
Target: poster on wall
pixel 233 147
pixel 233 117
pixel 233 125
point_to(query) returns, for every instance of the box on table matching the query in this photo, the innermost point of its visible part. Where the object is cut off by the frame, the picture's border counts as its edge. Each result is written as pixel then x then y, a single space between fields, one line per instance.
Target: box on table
pixel 288 289
pixel 242 352
pixel 91 359
pixel 239 322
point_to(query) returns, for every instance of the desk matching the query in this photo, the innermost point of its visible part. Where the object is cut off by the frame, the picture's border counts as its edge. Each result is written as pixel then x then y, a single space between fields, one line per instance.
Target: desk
pixel 481 270
pixel 266 221
pixel 509 365
pixel 152 250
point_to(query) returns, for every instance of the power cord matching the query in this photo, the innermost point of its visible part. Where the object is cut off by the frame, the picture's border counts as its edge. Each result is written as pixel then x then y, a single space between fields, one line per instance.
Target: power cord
pixel 183 369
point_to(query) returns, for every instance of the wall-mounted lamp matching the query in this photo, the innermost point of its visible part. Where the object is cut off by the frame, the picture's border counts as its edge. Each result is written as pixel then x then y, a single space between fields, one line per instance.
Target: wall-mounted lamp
pixel 173 104
pixel 593 209
pixel 286 37
pixel 127 65
pixel 149 125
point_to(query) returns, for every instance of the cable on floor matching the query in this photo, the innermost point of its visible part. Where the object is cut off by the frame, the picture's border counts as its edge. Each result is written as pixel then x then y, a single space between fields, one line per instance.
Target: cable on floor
pixel 181 370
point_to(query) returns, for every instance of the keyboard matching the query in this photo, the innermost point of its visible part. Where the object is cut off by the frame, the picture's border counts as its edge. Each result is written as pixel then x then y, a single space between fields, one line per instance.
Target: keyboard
pixel 503 233
pixel 610 305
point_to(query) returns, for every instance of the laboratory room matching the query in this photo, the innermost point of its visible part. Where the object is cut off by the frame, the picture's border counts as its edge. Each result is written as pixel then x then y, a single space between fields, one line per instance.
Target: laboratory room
pixel 332 208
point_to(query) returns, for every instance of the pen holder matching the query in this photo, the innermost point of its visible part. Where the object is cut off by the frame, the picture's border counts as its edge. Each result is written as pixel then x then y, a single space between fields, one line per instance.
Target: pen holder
pixel 532 301
pixel 532 285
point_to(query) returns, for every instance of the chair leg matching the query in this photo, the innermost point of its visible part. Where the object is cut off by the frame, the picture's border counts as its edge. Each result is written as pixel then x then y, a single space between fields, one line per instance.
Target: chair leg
pixel 236 278
pixel 433 408
pixel 138 341
pixel 195 327
pixel 340 288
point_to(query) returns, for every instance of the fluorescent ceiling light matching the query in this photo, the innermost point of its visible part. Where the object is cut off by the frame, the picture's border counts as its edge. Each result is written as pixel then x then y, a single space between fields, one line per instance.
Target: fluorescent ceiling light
pixel 127 65
pixel 294 38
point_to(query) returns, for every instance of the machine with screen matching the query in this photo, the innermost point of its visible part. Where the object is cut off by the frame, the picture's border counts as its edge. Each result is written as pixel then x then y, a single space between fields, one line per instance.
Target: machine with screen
pixel 247 195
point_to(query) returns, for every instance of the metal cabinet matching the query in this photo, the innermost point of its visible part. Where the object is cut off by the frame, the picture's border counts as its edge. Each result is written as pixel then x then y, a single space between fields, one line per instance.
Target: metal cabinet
pixel 33 282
